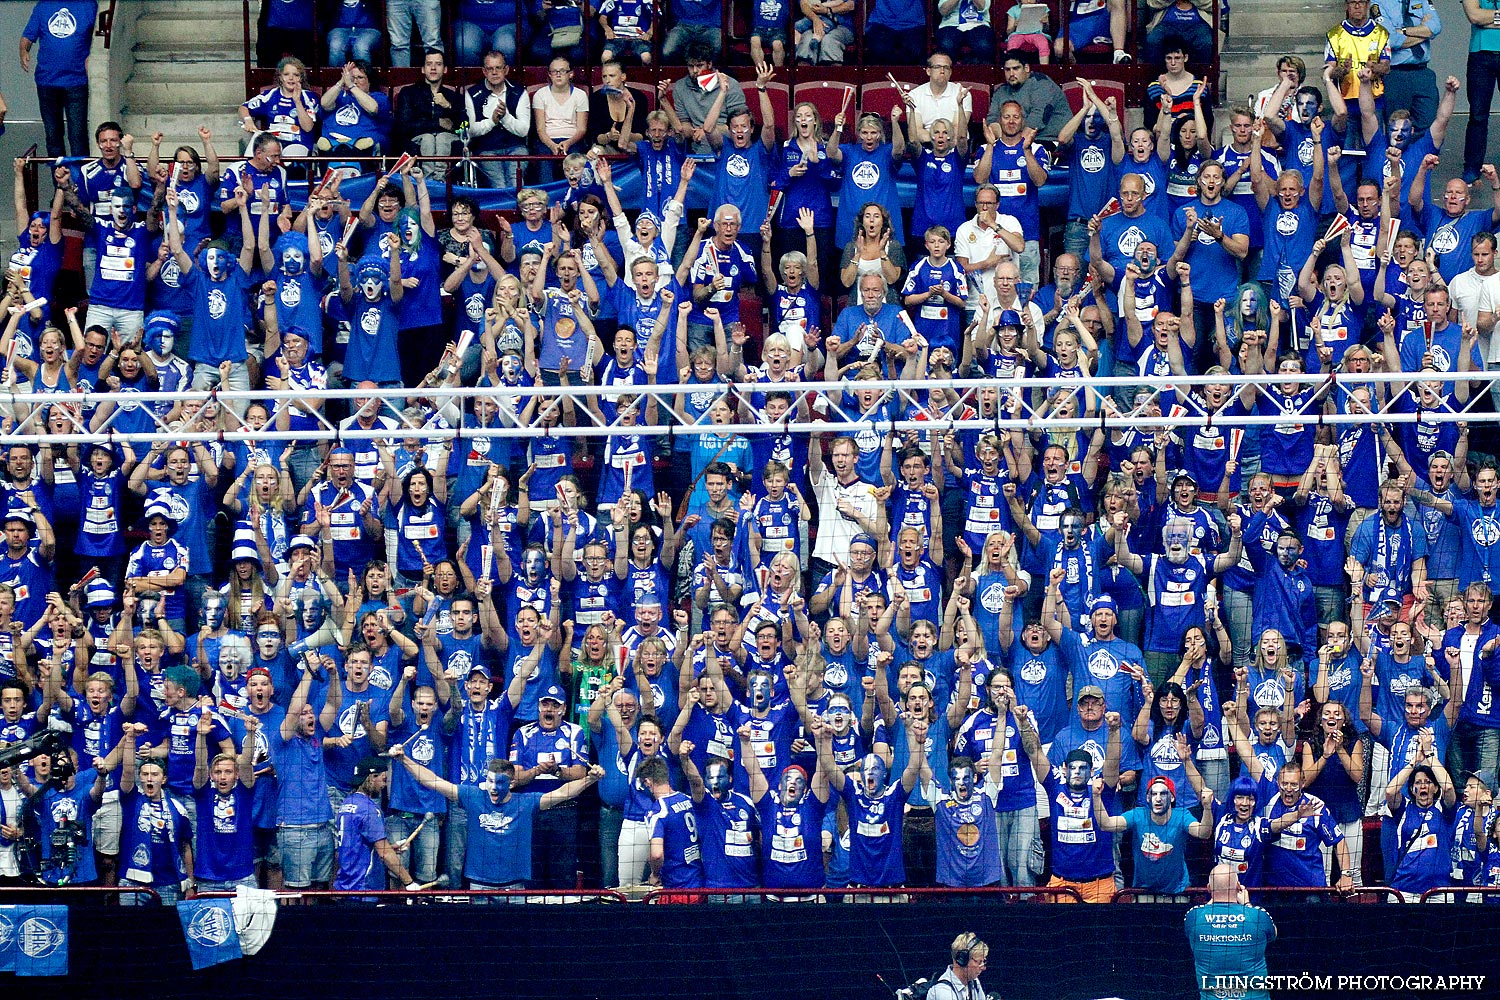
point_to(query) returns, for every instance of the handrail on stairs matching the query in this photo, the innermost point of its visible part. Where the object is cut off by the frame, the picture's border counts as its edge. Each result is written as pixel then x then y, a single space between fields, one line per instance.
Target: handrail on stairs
pixel 106 23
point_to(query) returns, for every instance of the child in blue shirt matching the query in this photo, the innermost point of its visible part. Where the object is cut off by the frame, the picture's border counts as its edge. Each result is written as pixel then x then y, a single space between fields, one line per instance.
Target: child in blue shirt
pixel 768 21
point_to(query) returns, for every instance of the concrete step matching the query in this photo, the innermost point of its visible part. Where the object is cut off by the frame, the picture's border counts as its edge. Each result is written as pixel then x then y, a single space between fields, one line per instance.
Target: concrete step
pixel 1281 18
pixel 188 56
pixel 201 21
pixel 151 93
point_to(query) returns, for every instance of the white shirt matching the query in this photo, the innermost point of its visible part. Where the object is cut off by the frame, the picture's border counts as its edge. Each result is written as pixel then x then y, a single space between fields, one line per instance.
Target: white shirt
pixel 836 532
pixel 932 107
pixel 13 805
pixel 560 115
pixel 1472 294
pixel 974 242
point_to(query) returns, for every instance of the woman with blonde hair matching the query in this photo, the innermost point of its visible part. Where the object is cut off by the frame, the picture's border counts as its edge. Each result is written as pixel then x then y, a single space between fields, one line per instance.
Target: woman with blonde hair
pixel 804 174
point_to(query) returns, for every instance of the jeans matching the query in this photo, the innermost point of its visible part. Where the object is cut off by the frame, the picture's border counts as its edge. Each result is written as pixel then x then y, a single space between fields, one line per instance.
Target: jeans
pixel 1482 76
pixel 1076 238
pixel 828 52
pixel 228 886
pixel 554 847
pixel 1414 88
pixel 972 47
pixel 421 857
pixel 683 35
pixel 1029 261
pixel 431 144
pixel 1479 750
pixel 72 103
pixel 1016 831
pixel 126 322
pixel 399 17
pixel 1240 619
pixel 1197 39
pixel 351 43
pixel 888 45
pixel 458 842
pixel 610 821
pixel 500 174
pixel 306 854
pixel 206 376
pixel 472 42
pixel 1215 774
pixel 303 465
pixel 170 893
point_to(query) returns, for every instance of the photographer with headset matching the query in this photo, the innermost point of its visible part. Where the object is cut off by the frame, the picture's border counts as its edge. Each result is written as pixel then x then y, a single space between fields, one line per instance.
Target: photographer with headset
pixel 960 981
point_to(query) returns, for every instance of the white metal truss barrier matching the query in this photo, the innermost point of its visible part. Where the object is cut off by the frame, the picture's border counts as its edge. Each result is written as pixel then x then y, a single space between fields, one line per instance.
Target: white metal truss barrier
pixel 1018 409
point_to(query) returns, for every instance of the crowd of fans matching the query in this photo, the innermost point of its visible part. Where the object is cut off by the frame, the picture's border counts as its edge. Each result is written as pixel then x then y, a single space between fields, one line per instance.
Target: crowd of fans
pixel 853 657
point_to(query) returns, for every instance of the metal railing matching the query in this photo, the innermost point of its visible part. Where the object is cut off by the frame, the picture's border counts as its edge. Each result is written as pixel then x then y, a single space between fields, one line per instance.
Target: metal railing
pixel 443 895
pixel 672 419
pixel 1197 894
pixel 871 894
pixel 1442 892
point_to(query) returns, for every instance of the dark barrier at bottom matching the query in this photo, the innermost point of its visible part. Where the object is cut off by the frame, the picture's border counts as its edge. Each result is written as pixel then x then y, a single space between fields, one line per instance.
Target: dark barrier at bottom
pixel 755 952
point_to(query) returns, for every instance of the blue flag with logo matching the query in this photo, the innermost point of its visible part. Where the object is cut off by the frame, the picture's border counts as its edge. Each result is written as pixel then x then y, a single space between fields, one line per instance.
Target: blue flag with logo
pixel 208 925
pixel 34 940
pixel 8 924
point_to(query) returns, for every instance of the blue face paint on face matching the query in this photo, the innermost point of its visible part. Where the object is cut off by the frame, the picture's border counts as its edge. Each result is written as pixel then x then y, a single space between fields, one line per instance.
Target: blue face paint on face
pixel 1072 529
pixel 874 771
pixel 717 780
pixel 760 691
pixel 963 782
pixel 534 564
pixel 793 787
pixel 499 784
pixel 216 260
pixel 1402 133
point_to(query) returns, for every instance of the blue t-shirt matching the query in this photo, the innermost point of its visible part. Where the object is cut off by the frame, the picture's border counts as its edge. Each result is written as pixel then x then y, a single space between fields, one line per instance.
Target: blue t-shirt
pixel 1160 849
pixel 151 835
pixel 357 829
pixel 726 831
pixel 302 782
pixel 225 848
pixel 1091 176
pixel 866 177
pixel 792 842
pixel 1229 939
pixel 675 823
pixel 65 29
pixel 875 832
pixel 1080 853
pixel 499 844
pixel 1216 271
pixel 221 315
pixel 120 269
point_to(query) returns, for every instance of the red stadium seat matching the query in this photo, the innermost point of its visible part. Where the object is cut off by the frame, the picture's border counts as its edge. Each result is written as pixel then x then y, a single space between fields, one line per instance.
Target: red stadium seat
pixel 645 95
pixel 1073 91
pixel 781 104
pixel 878 98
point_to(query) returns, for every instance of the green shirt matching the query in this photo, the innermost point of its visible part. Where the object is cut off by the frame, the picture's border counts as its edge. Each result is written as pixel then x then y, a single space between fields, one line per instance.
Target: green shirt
pixel 1485 38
